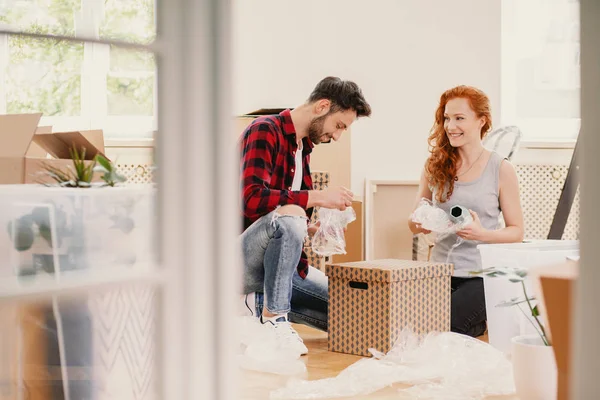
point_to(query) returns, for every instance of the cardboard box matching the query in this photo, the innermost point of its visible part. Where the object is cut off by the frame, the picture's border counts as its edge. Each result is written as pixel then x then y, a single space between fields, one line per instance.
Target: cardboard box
pixel 242 121
pixel 332 157
pixel 370 302
pixel 22 145
pixel 557 291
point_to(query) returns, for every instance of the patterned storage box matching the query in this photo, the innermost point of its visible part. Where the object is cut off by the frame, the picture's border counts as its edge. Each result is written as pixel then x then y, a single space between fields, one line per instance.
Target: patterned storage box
pixel 370 302
pixel 320 182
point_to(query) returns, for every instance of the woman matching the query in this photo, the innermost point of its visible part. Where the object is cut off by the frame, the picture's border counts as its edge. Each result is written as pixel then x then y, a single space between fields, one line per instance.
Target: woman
pixel 460 171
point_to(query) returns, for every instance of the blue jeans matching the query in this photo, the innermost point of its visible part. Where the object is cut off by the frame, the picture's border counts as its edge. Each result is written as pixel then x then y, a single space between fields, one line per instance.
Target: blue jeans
pixel 272 247
pixel 468 314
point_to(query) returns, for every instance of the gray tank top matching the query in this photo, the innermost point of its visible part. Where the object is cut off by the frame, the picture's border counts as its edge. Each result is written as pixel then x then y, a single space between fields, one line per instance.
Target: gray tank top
pixel 481 196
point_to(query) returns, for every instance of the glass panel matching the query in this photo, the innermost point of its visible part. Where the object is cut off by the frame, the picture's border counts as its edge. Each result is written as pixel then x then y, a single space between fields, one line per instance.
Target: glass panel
pixel 97 345
pixel 55 17
pixel 43 75
pixel 43 234
pixel 124 20
pixel 130 96
pixel 130 83
pixel 124 60
pixel 129 20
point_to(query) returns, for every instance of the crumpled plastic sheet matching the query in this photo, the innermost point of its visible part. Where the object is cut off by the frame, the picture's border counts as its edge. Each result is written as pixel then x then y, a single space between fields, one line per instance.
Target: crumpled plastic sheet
pixel 437 220
pixel 261 351
pixel 329 238
pixel 439 366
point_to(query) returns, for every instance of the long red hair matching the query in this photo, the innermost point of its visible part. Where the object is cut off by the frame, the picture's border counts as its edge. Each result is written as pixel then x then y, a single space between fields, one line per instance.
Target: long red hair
pixel 441 166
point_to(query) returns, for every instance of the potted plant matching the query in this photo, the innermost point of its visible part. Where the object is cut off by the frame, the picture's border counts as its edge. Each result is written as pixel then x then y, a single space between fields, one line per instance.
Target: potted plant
pixel 534 366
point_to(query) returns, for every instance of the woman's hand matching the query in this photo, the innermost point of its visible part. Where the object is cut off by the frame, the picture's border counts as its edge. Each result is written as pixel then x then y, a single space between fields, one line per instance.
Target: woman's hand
pixel 473 231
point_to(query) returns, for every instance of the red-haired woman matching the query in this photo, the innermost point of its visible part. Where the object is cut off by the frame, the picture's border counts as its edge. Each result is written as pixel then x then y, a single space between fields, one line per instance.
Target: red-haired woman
pixel 460 171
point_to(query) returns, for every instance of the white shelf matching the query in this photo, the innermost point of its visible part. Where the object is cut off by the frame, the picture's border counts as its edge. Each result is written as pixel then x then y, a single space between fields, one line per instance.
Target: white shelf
pixel 40 287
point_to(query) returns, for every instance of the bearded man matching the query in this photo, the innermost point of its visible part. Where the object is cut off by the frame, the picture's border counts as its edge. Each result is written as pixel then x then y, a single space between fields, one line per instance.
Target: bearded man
pixel 279 286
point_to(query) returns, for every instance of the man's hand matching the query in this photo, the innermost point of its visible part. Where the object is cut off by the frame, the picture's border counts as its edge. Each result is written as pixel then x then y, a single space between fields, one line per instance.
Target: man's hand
pixel 312 228
pixel 336 197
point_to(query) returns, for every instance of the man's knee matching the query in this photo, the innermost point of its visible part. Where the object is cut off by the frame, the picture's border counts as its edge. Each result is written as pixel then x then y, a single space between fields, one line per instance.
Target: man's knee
pixel 292 222
pixel 291 209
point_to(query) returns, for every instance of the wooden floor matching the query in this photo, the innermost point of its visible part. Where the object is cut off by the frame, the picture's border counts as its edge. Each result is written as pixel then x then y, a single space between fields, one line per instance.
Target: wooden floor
pixel 320 364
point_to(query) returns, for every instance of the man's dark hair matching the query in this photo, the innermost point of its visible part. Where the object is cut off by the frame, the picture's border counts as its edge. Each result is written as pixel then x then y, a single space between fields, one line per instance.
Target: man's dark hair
pixel 344 95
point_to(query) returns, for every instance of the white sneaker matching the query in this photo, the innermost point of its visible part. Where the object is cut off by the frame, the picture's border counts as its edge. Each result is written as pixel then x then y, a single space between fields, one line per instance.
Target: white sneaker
pixel 287 336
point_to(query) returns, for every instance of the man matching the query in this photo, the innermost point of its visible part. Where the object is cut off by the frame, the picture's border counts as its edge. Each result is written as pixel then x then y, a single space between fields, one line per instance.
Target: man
pixel 278 198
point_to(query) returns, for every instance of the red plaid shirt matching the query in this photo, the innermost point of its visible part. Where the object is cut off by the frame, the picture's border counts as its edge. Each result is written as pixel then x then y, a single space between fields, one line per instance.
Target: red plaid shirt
pixel 268 148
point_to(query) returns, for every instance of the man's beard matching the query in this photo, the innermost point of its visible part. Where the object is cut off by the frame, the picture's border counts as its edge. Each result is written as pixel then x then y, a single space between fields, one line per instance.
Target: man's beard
pixel 315 130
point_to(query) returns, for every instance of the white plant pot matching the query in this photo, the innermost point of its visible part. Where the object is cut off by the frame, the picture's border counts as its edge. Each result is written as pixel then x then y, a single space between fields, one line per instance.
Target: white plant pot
pixel 534 368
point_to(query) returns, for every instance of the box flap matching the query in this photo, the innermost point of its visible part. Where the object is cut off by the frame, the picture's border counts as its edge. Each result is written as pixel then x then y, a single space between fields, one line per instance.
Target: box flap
pixel 16 132
pixel 44 129
pixel 264 111
pixel 34 150
pixel 59 144
pixel 95 137
pixel 388 270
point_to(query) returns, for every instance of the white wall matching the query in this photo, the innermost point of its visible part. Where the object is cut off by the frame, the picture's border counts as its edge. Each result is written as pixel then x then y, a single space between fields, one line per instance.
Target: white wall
pixel 403 54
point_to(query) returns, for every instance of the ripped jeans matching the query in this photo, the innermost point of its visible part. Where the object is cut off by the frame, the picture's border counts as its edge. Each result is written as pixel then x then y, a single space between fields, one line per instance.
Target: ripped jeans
pixel 272 247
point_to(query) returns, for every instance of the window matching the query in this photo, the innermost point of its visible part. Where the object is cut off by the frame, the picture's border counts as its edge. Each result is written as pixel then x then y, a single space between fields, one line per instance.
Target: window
pixel 540 68
pixel 195 226
pixel 80 85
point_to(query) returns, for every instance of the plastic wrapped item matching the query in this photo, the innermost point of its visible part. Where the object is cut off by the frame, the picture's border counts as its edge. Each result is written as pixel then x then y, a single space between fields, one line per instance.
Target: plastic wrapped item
pixel 460 217
pixel 439 366
pixel 437 220
pixel 261 351
pixel 329 238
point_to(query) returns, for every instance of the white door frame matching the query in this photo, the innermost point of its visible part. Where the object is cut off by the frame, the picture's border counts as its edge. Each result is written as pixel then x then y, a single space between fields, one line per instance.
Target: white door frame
pixel 198 181
pixel 586 358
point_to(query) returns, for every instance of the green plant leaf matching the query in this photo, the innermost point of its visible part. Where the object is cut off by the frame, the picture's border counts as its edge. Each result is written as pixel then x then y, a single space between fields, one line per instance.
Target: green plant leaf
pixel 535 311
pixel 103 161
pixel 100 168
pixel 120 178
pixel 110 174
pixel 514 301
